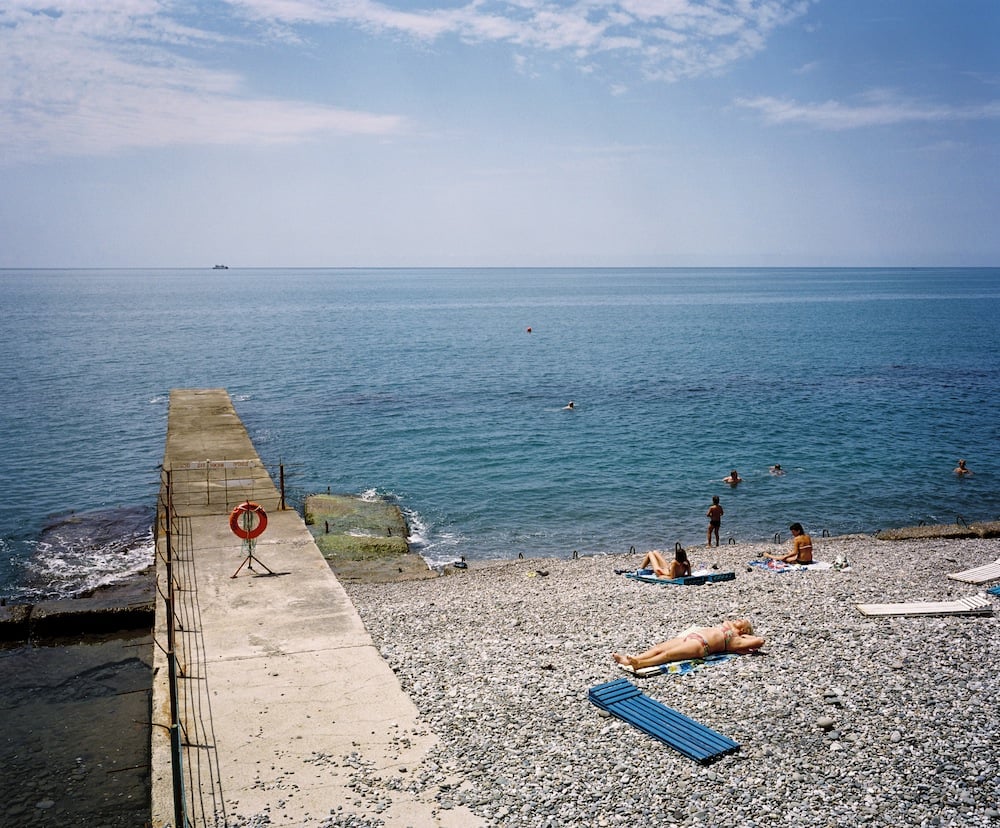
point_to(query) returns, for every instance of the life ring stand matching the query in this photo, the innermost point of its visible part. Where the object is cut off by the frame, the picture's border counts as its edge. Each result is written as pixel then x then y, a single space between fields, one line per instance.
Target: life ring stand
pixel 238 520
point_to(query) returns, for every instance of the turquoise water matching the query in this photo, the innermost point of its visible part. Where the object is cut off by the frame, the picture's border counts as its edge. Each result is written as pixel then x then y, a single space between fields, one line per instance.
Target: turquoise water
pixel 426 386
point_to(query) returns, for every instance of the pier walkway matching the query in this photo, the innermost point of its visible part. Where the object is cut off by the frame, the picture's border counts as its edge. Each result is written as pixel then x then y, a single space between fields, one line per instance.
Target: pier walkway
pixel 286 713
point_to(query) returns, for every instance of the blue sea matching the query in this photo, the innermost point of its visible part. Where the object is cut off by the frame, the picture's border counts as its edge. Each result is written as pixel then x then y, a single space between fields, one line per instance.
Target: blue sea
pixel 444 390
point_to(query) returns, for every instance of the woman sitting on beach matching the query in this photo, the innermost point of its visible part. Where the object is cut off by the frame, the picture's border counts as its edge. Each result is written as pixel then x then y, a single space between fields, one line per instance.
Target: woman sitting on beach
pixel 679 567
pixel 802 547
pixel 735 636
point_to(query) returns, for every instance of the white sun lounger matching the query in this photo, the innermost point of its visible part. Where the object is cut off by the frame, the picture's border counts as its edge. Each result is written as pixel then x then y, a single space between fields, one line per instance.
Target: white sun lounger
pixel 979 575
pixel 975 605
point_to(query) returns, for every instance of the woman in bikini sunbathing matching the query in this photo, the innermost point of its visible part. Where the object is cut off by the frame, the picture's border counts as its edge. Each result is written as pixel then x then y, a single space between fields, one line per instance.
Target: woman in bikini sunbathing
pixel 802 547
pixel 679 567
pixel 735 636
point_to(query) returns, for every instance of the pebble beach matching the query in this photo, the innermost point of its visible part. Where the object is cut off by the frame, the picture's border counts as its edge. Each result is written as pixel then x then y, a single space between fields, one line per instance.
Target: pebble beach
pixel 842 719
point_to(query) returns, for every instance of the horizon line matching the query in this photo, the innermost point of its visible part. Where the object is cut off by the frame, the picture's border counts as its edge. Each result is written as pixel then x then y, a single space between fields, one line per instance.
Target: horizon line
pixel 4 269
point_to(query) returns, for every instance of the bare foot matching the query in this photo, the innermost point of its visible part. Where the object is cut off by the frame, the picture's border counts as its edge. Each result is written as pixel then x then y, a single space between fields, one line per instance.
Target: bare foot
pixel 620 659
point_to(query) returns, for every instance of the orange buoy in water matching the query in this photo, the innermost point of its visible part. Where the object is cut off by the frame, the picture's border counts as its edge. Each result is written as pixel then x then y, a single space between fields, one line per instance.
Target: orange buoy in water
pixel 248 520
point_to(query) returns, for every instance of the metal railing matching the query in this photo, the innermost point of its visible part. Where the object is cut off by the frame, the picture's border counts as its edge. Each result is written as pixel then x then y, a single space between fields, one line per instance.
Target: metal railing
pixel 221 483
pixel 166 519
pixel 188 490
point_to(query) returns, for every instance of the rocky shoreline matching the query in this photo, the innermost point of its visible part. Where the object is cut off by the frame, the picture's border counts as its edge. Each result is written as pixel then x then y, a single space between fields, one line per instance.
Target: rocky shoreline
pixel 843 720
pixel 128 606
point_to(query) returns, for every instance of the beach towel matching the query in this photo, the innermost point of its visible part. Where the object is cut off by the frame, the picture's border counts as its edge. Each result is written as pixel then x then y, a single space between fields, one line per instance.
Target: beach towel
pixel 769 565
pixel 695 579
pixel 623 699
pixel 979 575
pixel 994 590
pixel 975 605
pixel 679 668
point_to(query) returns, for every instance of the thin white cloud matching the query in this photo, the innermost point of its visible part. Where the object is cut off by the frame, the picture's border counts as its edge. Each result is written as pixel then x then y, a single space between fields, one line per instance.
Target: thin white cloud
pixel 667 39
pixel 101 77
pixel 878 108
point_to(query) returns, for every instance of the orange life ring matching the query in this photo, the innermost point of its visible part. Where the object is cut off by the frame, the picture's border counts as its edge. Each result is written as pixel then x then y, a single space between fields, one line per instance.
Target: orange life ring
pixel 237 520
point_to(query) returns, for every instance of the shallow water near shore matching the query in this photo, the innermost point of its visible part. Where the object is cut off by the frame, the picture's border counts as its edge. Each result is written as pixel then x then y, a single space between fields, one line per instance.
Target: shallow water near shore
pixel 426 386
pixel 75 725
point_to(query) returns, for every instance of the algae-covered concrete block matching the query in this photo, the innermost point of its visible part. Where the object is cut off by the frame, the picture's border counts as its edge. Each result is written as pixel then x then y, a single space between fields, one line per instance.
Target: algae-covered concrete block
pixel 363 540
pixel 353 528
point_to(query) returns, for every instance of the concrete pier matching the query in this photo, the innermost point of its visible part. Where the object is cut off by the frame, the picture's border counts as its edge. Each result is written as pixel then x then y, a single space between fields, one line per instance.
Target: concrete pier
pixel 286 709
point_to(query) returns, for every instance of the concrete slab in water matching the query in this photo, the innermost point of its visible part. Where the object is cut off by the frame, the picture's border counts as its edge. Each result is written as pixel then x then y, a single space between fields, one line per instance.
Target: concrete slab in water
pixel 363 539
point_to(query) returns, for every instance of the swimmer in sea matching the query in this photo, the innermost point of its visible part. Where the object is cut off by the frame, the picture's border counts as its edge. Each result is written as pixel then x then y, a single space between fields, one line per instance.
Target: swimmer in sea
pixel 735 636
pixel 734 478
pixel 569 406
pixel 776 470
pixel 961 469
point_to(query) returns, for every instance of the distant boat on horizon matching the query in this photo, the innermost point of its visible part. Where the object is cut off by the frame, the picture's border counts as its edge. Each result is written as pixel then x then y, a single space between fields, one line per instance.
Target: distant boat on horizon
pixel 220 267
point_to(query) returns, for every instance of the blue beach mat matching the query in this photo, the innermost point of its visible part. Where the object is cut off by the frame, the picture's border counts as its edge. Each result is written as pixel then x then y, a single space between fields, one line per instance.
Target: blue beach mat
pixel 679 668
pixel 647 577
pixel 623 699
pixel 994 590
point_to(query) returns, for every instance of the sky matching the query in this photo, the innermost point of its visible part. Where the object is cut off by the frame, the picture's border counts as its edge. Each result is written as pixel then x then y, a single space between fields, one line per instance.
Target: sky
pixel 496 133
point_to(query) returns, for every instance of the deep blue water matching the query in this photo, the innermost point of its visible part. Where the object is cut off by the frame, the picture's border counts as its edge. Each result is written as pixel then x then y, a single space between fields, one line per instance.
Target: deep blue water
pixel 426 386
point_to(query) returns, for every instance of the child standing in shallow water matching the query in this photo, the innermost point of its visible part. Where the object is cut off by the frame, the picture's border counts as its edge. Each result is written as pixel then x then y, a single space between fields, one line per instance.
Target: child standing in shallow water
pixel 714 515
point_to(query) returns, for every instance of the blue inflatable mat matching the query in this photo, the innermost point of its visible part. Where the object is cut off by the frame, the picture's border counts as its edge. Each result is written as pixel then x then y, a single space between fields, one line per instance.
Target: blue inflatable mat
pixel 994 590
pixel 647 577
pixel 623 699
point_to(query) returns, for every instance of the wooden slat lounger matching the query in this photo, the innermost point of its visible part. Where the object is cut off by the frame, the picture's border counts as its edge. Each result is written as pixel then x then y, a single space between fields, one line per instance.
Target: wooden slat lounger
pixel 975 605
pixel 979 575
